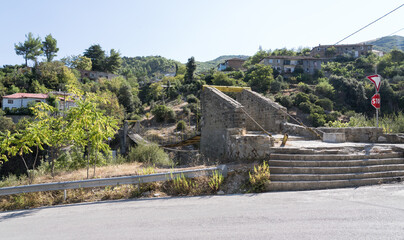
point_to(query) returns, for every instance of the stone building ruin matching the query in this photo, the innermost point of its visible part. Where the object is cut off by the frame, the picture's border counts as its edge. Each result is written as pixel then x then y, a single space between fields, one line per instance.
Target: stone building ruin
pixel 233 128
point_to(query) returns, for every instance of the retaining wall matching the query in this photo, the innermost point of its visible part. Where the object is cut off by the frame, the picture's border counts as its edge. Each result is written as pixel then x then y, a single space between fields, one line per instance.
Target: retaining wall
pixel 357 134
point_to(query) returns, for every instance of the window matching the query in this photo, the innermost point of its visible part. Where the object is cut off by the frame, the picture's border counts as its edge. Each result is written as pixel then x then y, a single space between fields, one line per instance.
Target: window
pixel 278 61
pixel 37 100
pixel 270 61
pixel 319 49
pixel 10 101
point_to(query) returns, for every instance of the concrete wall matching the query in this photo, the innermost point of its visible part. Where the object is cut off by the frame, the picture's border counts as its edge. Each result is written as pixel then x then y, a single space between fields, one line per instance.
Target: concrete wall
pixel 270 115
pixel 357 134
pixel 219 113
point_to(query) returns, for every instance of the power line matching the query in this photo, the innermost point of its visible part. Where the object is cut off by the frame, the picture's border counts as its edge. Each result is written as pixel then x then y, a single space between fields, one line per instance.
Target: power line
pixel 397 31
pixel 370 24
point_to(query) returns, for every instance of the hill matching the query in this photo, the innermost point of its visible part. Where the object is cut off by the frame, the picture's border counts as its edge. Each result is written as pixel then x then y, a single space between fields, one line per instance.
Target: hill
pixel 388 43
pixel 205 66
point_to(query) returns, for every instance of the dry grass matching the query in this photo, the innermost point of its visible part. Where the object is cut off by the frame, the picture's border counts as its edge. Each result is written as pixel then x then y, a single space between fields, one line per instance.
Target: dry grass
pixel 49 198
pixel 156 189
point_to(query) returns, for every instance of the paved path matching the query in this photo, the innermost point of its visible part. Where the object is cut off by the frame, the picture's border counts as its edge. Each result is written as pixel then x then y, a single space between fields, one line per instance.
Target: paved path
pixel 375 212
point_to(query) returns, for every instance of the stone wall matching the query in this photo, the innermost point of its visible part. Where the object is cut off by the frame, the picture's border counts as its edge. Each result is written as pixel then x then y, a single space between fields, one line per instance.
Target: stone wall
pixel 269 114
pixel 357 134
pixel 294 129
pixel 219 113
pixel 242 145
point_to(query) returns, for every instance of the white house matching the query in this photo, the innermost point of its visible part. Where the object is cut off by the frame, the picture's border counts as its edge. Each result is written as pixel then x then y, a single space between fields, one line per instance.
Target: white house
pixel 21 100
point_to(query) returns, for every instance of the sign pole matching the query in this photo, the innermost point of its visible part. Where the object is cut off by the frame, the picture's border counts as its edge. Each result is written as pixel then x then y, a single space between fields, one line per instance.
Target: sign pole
pixel 377 110
pixel 376 79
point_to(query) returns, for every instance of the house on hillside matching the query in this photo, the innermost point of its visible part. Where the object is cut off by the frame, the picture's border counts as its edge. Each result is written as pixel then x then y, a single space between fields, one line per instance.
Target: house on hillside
pixel 21 100
pixel 330 51
pixel 288 64
pixel 233 64
pixel 94 75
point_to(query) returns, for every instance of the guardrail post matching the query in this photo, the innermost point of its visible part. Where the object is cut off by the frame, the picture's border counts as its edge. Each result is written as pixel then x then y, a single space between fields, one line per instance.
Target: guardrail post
pixel 223 169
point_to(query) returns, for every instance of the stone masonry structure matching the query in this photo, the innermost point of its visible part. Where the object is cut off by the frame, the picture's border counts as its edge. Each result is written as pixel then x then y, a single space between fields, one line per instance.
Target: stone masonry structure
pixel 228 133
pixel 231 129
pixel 268 114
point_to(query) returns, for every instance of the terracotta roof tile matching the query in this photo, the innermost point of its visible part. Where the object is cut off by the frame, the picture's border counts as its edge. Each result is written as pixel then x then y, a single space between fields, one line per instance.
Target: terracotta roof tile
pixel 27 95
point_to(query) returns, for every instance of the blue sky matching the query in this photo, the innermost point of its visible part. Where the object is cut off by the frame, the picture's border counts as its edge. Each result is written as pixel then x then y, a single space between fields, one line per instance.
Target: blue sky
pixel 179 29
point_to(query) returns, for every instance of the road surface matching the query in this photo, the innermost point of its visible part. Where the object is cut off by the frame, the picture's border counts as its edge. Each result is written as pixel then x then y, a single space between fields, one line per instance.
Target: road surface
pixel 375 212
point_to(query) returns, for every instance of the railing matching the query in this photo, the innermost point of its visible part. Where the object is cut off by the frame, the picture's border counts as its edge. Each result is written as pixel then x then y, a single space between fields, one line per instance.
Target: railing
pixel 101 182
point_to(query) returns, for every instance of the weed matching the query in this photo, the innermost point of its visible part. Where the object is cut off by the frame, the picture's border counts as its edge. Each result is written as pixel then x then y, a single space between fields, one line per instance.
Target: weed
pixel 149 170
pixel 259 177
pixel 182 185
pixel 215 181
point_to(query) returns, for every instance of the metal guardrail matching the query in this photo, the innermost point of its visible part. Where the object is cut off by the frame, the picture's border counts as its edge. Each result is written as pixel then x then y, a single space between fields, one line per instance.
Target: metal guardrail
pixel 101 182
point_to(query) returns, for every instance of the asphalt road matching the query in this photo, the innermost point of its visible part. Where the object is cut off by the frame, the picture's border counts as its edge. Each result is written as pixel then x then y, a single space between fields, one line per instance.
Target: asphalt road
pixel 375 212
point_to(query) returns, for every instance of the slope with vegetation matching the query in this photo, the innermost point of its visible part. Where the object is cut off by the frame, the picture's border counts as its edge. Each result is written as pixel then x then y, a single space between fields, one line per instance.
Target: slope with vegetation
pixel 163 95
pixel 388 43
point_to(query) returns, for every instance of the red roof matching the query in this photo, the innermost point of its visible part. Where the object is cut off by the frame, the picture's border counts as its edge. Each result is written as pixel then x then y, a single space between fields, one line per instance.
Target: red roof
pixel 27 95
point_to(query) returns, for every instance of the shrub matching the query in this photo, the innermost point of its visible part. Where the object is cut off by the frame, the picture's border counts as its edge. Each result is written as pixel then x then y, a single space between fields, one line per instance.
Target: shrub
pixel 192 99
pixel 150 154
pixel 325 103
pixel 259 177
pixel 181 126
pixel 301 97
pixel 317 119
pixel 325 89
pixel 303 87
pixel 134 116
pixel 285 101
pixel 305 107
pixel 163 113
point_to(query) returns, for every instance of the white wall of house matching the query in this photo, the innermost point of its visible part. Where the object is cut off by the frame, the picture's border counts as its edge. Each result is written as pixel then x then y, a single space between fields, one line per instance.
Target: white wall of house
pixel 19 102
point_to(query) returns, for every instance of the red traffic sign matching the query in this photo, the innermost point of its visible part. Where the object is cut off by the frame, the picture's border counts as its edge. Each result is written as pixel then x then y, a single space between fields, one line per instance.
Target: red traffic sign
pixel 376 101
pixel 376 79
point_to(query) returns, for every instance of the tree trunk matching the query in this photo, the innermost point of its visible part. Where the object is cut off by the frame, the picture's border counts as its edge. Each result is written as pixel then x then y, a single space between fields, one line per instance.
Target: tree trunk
pixel 88 160
pixel 96 159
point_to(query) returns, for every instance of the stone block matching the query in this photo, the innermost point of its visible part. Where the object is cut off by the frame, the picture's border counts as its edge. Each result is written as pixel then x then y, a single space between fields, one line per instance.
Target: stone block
pixel 334 137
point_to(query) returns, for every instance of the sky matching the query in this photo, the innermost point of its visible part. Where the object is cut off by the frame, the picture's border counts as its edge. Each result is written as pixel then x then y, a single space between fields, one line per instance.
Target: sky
pixel 204 29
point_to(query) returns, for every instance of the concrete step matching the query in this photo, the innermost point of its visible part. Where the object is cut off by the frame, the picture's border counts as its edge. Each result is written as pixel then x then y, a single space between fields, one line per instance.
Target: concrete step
pixel 334 163
pixel 314 185
pixel 338 157
pixel 328 177
pixel 292 150
pixel 336 170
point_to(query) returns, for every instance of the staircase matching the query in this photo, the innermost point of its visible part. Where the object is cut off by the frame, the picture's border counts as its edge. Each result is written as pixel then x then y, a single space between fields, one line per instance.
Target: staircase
pixel 295 169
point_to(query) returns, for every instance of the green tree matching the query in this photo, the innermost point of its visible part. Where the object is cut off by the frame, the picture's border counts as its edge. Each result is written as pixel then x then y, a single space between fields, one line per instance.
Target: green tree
pixel 256 58
pixel 259 77
pixel 220 78
pixel 113 62
pixel 30 49
pixel 125 97
pixel 97 56
pixel 190 69
pixel 83 63
pixel 49 47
